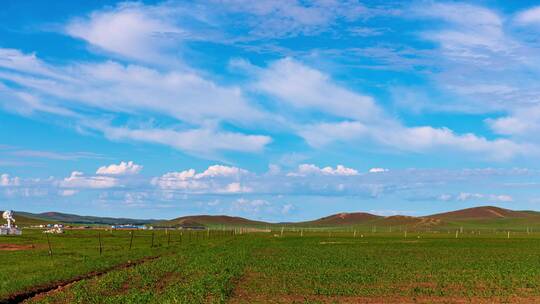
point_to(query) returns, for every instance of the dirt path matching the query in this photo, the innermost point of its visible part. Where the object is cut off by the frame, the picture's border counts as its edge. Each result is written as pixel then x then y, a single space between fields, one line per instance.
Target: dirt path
pixel 15 247
pixel 44 290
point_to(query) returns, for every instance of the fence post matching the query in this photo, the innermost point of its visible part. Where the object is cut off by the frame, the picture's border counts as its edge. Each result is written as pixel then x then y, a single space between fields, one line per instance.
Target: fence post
pixel 50 248
pixel 99 238
pixel 130 240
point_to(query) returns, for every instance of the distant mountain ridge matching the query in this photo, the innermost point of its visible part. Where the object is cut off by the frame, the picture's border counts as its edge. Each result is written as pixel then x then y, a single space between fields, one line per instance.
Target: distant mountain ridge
pixel 477 215
pixel 81 219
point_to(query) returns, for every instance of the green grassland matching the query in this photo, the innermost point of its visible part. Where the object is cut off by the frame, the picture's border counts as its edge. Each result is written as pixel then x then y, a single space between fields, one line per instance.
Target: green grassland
pixel 301 266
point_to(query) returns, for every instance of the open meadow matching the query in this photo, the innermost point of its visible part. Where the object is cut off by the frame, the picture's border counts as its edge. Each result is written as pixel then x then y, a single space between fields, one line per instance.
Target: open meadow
pixel 319 266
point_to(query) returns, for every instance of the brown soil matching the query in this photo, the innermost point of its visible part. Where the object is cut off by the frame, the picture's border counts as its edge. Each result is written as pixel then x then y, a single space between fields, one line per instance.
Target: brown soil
pixel 14 247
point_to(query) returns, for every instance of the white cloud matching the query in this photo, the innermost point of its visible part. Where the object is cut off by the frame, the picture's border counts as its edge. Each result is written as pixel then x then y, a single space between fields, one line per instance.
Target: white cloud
pixel 378 170
pixel 236 188
pixel 444 197
pixel 323 134
pixel 250 206
pixel 362 119
pixel 215 179
pixel 183 180
pixel 464 196
pixel 287 208
pixel 286 18
pixel 6 180
pixel 306 88
pixel 417 139
pixel 141 92
pixel 130 29
pixel 79 180
pixel 474 27
pixel 468 196
pixel 67 192
pixel 222 171
pixel 202 142
pixel 521 123
pixel 310 169
pixel 529 16
pixel 123 168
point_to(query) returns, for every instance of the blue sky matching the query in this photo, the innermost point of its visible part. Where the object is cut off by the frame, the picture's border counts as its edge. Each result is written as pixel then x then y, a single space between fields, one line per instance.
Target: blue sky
pixel 273 110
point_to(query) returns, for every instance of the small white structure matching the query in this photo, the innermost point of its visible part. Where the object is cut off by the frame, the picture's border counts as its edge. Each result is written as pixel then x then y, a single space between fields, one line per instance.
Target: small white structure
pixel 56 229
pixel 10 228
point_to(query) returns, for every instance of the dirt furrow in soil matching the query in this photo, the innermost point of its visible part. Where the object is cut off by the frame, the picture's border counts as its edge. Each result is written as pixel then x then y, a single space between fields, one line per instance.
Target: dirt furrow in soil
pixel 20 297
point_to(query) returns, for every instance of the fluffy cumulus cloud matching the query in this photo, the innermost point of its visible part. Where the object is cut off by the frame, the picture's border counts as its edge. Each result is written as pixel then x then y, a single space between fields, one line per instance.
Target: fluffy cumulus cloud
pixel 378 170
pixel 123 168
pixel 310 169
pixel 215 179
pixel 77 179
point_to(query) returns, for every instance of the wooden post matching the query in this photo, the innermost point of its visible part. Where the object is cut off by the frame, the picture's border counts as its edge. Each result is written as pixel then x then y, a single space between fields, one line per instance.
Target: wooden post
pixel 50 248
pixel 405 233
pixel 457 231
pixel 508 236
pixel 99 238
pixel 130 239
pixel 282 231
pixel 354 232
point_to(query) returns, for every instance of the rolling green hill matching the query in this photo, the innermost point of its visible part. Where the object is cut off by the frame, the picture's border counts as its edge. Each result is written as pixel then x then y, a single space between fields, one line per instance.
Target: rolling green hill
pixel 342 219
pixel 485 217
pixel 211 221
pixel 79 219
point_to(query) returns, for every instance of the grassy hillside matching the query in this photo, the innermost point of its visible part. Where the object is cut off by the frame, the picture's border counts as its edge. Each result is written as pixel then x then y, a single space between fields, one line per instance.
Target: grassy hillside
pixel 489 217
pixel 486 217
pixel 23 219
pixel 79 219
pixel 341 219
pixel 211 221
pixel 484 213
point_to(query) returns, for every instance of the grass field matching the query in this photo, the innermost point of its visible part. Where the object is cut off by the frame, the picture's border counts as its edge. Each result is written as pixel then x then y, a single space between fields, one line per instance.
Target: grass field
pixel 317 267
